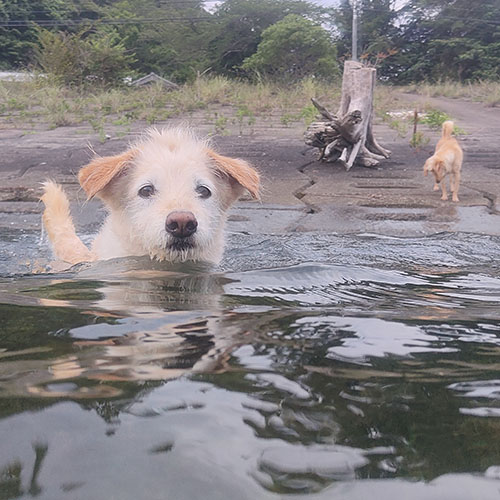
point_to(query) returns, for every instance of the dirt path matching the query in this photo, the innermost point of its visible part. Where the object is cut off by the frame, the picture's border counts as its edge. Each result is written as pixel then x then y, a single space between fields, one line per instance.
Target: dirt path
pixel 483 121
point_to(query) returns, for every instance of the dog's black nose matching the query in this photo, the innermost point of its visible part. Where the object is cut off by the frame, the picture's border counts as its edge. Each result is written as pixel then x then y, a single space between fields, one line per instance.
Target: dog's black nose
pixel 181 224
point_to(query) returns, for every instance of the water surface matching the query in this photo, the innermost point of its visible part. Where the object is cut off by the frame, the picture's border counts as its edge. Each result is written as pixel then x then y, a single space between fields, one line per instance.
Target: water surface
pixel 306 366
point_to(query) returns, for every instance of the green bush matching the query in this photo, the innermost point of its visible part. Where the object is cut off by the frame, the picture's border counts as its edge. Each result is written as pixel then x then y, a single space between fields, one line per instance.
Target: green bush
pixel 80 59
pixel 435 118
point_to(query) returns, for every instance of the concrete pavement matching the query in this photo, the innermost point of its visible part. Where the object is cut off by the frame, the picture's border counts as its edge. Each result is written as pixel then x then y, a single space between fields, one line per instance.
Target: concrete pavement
pixel 299 193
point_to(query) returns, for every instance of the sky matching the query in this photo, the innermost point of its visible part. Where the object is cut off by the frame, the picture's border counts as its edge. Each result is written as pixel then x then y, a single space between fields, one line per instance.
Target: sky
pixel 334 3
pixel 325 3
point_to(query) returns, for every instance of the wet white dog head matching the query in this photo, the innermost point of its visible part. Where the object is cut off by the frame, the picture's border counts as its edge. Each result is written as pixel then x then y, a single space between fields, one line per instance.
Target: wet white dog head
pixel 168 195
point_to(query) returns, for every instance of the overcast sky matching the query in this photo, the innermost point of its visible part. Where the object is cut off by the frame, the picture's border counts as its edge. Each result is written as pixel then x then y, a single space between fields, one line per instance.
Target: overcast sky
pixel 333 3
pixel 326 3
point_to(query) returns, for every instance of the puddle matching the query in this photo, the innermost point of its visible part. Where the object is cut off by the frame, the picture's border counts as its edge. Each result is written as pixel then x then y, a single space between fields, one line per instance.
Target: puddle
pixel 306 366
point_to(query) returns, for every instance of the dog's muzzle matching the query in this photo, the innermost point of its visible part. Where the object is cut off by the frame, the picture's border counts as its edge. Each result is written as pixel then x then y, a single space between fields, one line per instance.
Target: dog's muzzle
pixel 181 225
pixel 180 244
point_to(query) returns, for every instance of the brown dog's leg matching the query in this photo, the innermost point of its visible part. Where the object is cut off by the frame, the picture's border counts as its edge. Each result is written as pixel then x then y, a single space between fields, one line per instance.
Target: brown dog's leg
pixel 455 183
pixel 444 197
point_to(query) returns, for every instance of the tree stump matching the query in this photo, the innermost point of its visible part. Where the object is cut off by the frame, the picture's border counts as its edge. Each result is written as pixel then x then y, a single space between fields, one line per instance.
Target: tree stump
pixel 348 136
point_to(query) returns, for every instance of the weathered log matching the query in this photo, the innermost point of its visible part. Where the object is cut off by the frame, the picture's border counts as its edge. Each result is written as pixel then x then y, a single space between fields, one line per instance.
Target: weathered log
pixel 348 136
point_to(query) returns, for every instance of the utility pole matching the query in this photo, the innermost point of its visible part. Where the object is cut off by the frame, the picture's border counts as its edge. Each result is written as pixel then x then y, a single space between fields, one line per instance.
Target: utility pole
pixel 354 49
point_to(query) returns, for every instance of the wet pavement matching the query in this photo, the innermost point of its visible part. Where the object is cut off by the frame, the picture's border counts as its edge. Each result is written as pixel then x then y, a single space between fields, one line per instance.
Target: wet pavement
pixel 299 193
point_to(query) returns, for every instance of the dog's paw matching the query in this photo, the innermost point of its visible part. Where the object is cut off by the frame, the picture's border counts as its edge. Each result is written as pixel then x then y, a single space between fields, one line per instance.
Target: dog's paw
pixel 436 187
pixel 444 198
pixel 455 198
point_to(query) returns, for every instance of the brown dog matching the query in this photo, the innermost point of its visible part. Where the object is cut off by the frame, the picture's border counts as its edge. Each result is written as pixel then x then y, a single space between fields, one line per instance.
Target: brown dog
pixel 447 159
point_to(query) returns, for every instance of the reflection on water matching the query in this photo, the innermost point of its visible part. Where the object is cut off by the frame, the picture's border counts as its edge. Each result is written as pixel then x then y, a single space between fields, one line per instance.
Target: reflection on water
pixel 332 380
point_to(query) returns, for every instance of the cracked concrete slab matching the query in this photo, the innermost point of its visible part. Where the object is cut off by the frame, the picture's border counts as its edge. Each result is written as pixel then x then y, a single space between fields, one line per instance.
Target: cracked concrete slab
pixel 299 193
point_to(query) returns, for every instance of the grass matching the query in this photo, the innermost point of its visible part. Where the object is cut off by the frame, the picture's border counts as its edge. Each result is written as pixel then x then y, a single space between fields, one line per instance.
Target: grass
pixel 42 103
pixel 487 92
pixel 227 104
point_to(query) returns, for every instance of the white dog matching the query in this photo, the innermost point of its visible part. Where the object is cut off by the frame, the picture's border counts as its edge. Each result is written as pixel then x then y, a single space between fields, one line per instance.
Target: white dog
pixel 166 197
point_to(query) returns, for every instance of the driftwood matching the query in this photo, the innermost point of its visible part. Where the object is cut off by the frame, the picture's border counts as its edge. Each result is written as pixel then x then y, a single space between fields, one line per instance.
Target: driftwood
pixel 348 136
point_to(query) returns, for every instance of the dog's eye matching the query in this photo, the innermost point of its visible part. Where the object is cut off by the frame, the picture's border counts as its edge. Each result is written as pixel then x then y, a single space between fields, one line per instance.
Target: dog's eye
pixel 147 191
pixel 204 192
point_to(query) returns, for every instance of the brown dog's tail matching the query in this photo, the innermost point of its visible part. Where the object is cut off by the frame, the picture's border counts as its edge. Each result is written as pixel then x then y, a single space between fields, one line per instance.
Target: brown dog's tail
pixel 59 226
pixel 448 127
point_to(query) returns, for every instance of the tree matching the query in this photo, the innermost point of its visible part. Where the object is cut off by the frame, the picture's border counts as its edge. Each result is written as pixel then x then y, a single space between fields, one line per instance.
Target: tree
pixel 18 34
pixel 292 49
pixel 457 40
pixel 377 35
pixel 168 38
pixel 167 35
pixel 20 20
pixel 239 26
pixel 77 59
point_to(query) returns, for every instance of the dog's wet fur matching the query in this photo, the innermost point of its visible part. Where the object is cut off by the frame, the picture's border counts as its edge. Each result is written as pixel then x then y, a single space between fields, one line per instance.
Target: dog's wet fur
pixel 170 173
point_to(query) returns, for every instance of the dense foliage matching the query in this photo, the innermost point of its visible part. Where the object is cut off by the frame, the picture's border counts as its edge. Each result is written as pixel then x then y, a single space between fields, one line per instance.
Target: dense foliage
pixel 426 39
pixel 459 39
pixel 238 25
pixel 102 40
pixel 292 49
pixel 73 58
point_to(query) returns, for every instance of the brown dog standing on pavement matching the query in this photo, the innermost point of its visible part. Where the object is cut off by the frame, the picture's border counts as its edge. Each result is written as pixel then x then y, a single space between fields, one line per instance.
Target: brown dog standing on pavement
pixel 447 159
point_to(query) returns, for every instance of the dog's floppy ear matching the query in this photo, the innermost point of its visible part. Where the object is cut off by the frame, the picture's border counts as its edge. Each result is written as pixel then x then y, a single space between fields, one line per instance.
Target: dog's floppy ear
pixel 427 166
pixel 95 176
pixel 238 171
pixel 440 168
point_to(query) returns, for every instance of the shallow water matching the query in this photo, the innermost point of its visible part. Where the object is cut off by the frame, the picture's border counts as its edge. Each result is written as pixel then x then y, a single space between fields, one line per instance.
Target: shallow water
pixel 308 365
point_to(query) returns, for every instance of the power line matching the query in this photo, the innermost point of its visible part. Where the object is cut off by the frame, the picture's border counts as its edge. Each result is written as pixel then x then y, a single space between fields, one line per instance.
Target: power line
pixel 76 22
pixel 20 23
pixel 165 3
pixel 161 2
